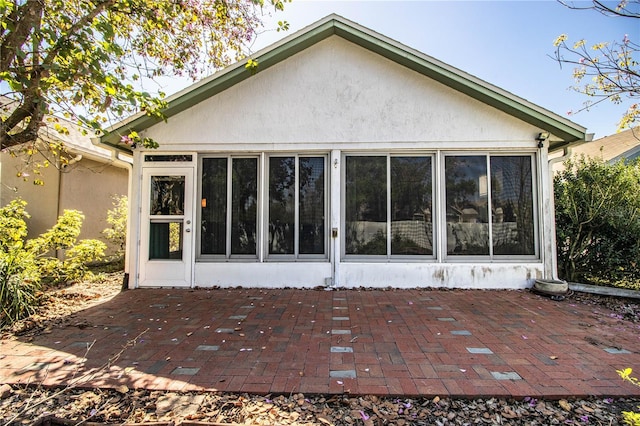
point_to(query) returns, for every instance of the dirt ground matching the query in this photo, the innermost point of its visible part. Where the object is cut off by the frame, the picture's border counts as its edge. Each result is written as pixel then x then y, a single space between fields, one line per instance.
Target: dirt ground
pixel 22 405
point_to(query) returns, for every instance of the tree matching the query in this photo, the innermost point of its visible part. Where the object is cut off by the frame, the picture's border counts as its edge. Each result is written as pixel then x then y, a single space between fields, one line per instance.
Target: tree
pixel 89 60
pixel 598 221
pixel 605 70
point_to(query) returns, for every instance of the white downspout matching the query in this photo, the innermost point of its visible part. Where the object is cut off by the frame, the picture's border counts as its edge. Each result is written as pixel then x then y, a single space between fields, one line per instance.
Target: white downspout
pixel 128 165
pixel 127 246
pixel 554 243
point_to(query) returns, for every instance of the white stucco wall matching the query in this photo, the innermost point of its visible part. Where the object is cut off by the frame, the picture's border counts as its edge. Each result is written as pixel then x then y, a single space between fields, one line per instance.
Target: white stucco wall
pixel 337 98
pixel 339 93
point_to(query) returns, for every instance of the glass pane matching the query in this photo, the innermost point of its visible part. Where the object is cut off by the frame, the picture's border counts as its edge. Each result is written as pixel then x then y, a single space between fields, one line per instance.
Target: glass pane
pixel 312 201
pixel 366 205
pixel 213 213
pixel 167 195
pixel 244 199
pixel 165 240
pixel 467 207
pixel 282 187
pixel 512 205
pixel 411 204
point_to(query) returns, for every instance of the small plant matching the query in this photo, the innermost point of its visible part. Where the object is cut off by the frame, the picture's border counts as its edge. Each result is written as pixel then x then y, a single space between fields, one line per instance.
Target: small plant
pixel 630 417
pixel 19 275
pixel 63 236
pixel 25 264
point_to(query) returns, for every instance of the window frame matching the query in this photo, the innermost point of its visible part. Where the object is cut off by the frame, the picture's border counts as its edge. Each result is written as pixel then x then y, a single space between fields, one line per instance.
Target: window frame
pixel 228 256
pixel 296 256
pixel 535 194
pixel 389 257
pixel 262 209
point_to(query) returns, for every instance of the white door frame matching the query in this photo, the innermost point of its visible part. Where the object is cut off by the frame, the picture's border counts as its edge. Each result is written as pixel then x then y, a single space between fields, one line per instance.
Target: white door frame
pixel 175 267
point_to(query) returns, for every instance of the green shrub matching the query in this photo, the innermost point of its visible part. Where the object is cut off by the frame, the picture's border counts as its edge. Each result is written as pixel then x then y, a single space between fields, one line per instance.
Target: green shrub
pixel 598 222
pixel 26 264
pixel 117 218
pixel 19 275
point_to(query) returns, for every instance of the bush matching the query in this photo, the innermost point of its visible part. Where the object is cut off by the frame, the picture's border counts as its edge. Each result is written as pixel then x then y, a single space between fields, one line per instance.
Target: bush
pixel 25 264
pixel 598 222
pixel 117 218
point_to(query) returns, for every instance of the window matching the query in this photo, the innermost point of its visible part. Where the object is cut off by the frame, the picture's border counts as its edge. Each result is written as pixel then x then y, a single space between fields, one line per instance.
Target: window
pixel 297 206
pixel 294 205
pixel 489 205
pixel 229 207
pixel 166 210
pixel 513 230
pixel 388 206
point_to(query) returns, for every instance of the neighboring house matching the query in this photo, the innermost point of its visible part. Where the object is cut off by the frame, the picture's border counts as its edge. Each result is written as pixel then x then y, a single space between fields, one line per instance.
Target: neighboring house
pixel 87 184
pixel 346 160
pixel 623 145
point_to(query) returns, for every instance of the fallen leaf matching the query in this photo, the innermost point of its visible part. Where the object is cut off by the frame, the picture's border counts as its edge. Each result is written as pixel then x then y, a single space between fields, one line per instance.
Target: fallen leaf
pixel 324 420
pixel 565 405
pixel 587 408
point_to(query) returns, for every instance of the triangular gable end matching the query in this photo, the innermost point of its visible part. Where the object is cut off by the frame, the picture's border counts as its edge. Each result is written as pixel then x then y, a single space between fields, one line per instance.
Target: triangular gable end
pixel 564 131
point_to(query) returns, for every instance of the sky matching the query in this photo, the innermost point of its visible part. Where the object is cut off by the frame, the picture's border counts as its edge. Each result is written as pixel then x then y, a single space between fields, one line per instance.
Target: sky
pixel 506 43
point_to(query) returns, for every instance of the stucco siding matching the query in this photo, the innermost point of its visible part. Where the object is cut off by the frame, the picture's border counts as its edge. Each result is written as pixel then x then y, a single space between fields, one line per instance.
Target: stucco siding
pixel 337 92
pixel 89 186
pixel 42 200
pixel 262 275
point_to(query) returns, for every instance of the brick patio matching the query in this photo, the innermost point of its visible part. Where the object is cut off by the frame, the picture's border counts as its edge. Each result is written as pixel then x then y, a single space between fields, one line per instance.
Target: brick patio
pixel 397 342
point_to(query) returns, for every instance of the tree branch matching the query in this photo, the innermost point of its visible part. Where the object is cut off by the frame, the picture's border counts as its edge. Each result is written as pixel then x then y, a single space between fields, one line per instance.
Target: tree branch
pixel 24 18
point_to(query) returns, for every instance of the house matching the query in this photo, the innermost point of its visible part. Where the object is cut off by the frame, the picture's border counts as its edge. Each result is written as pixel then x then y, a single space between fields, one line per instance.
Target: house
pixel 87 183
pixel 345 160
pixel 623 145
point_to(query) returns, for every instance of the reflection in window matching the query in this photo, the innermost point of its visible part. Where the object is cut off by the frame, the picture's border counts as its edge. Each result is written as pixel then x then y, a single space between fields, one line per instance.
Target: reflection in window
pixel 312 205
pixel 467 205
pixel 512 205
pixel 366 205
pixel 283 188
pixel 167 195
pixel 282 197
pixel 244 205
pixel 165 240
pixel 409 197
pixel 219 227
pixel 509 227
pixel 411 204
pixel 213 216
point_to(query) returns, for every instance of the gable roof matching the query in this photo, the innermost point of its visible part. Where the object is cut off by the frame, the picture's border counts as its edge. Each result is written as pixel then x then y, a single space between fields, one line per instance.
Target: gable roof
pixel 622 145
pixel 564 131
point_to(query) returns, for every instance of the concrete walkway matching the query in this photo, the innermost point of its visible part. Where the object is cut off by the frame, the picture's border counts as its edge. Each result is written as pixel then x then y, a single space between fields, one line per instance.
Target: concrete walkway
pixel 398 342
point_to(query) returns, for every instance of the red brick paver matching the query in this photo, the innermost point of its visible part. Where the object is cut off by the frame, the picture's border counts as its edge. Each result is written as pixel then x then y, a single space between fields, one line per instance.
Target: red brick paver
pixel 397 342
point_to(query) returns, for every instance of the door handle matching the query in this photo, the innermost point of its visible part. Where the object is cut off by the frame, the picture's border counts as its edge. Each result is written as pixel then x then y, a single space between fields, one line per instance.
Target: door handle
pixel 187 230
